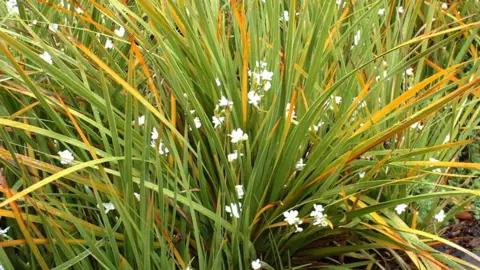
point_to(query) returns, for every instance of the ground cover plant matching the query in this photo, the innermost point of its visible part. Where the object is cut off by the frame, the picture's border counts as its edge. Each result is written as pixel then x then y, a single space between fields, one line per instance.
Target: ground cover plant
pixel 182 134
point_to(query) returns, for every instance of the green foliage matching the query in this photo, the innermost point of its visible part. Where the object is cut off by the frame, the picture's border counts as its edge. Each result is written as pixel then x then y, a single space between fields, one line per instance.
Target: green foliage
pixel 357 106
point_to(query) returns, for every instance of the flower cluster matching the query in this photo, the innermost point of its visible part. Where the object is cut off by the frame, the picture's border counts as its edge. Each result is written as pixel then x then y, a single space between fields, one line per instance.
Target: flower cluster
pixel 439 217
pixel 162 149
pixel 261 82
pixel 220 115
pixel 319 217
pixel 196 120
pixel 291 217
pixel 66 157
pixel 4 231
pixel 234 209
pixel 107 207
pixel 12 6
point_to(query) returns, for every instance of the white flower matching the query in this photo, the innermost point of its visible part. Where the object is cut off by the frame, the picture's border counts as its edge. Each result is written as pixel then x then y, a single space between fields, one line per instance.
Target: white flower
pixel 266 75
pixel 300 165
pixel 298 228
pixel 285 16
pixel 47 57
pixel 34 22
pixel 137 195
pixel 154 134
pixel 339 3
pixel 287 110
pixel 234 209
pixel 440 216
pixel 253 98
pixel 291 217
pixel 318 126
pixel 238 136
pixel 66 157
pixel 218 82
pixel 141 120
pixel 120 32
pixel 108 44
pixel 401 208
pixel 1 267
pixel 197 122
pixel 53 27
pixel 233 156
pixel 409 71
pixel 444 6
pixel 400 9
pixel 107 207
pixel 217 121
pixel 361 174
pixel 79 10
pixel 381 12
pixel 240 191
pixel 384 63
pixel 417 126
pixel 337 99
pixel 256 264
pixel 162 149
pixel 12 6
pixel 319 217
pixel 267 86
pixel 318 208
pixel 356 38
pixel 433 160
pixel 447 138
pixel 224 102
pixel 4 231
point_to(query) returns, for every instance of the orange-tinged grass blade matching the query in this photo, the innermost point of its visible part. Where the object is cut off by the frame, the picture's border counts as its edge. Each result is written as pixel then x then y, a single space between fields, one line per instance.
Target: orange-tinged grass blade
pixel 53 211
pixel 403 98
pixel 438 68
pixel 460 261
pixel 413 255
pixel 345 200
pixel 23 110
pixel 47 167
pixel 83 18
pixel 176 18
pixel 414 220
pixel 378 165
pixel 56 177
pixel 334 30
pixel 430 109
pixel 240 17
pixel 170 243
pixel 440 239
pixel 21 223
pixel 135 93
pixel 46 241
pixel 465 165
pixel 265 208
pixel 148 76
pixel 30 217
pixel 431 90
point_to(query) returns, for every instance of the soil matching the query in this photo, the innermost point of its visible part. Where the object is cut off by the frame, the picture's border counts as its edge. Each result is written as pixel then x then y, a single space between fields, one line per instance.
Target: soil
pixel 465 234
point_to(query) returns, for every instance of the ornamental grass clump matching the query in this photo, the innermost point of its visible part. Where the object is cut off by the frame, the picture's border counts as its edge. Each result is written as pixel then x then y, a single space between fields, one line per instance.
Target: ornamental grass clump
pixel 254 134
